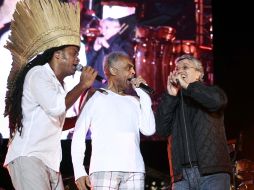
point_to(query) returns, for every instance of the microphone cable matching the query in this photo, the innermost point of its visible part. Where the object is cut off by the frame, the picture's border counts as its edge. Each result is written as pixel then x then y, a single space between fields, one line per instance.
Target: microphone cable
pixel 187 142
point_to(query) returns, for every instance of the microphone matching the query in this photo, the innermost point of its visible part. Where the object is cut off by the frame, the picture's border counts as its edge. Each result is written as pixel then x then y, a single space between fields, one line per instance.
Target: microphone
pixel 145 87
pixel 175 83
pixel 99 78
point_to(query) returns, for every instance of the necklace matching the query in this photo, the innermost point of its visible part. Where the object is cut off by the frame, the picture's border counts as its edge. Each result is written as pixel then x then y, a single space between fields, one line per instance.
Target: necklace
pixel 121 92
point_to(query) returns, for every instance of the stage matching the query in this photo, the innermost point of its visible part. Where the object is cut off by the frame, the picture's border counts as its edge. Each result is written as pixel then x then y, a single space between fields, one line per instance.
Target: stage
pixel 154 155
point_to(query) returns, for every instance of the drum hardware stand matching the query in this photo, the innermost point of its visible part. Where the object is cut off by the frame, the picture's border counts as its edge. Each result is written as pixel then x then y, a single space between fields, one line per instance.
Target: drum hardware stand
pixel 238 147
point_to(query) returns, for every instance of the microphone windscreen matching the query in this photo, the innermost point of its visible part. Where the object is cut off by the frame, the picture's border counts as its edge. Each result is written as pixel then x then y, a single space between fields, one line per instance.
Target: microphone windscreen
pixel 80 67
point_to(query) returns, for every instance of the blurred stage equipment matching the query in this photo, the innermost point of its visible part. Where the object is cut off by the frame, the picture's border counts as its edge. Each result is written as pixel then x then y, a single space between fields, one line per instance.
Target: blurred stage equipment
pixel 156 48
pixel 245 187
pixel 181 47
pixel 242 177
pixel 118 9
pixel 123 11
pixel 204 37
pixel 153 53
pixel 185 47
pixel 90 24
pixel 245 170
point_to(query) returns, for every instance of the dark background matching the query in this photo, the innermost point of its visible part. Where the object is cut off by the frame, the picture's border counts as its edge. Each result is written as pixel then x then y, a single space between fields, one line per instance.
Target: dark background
pixel 233 68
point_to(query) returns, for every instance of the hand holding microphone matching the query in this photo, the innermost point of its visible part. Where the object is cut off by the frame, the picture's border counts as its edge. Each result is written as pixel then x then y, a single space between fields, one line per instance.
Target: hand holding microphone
pixel 181 80
pixel 87 77
pixel 173 84
pixel 173 80
pixel 99 78
pixel 176 81
pixel 139 82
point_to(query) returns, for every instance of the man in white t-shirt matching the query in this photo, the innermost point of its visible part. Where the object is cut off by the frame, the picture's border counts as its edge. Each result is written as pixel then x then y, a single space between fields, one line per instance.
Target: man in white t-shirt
pixel 115 120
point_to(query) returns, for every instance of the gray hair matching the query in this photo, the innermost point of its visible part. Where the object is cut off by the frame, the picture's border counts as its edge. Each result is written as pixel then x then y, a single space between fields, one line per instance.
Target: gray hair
pixel 198 65
pixel 113 58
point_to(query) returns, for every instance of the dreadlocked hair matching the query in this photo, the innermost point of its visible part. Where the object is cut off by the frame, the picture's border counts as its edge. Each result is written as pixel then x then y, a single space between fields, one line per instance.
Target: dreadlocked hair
pixel 14 101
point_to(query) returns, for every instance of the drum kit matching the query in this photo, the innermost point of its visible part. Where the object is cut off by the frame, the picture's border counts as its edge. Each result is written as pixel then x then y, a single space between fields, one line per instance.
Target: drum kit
pixel 155 51
pixel 152 54
pixel 244 174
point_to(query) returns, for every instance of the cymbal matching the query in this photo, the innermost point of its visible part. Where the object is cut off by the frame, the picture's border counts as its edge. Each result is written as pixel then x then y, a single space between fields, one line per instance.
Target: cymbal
pixel 245 175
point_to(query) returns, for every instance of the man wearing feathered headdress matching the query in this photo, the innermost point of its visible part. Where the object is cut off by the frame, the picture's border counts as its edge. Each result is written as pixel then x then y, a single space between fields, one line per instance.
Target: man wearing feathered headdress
pixel 44 42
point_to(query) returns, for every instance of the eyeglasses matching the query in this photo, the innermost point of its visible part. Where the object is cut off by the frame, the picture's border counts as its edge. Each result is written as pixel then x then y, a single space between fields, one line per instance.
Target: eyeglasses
pixel 185 68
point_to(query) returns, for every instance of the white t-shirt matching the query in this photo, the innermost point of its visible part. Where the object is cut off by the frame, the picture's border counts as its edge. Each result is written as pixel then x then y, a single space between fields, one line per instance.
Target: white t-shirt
pixel 115 122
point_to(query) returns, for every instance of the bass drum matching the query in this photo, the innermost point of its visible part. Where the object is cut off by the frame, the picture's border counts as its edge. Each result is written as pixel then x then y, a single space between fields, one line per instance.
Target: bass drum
pixel 146 61
pixel 181 47
pixel 153 57
pixel 185 47
pixel 165 34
